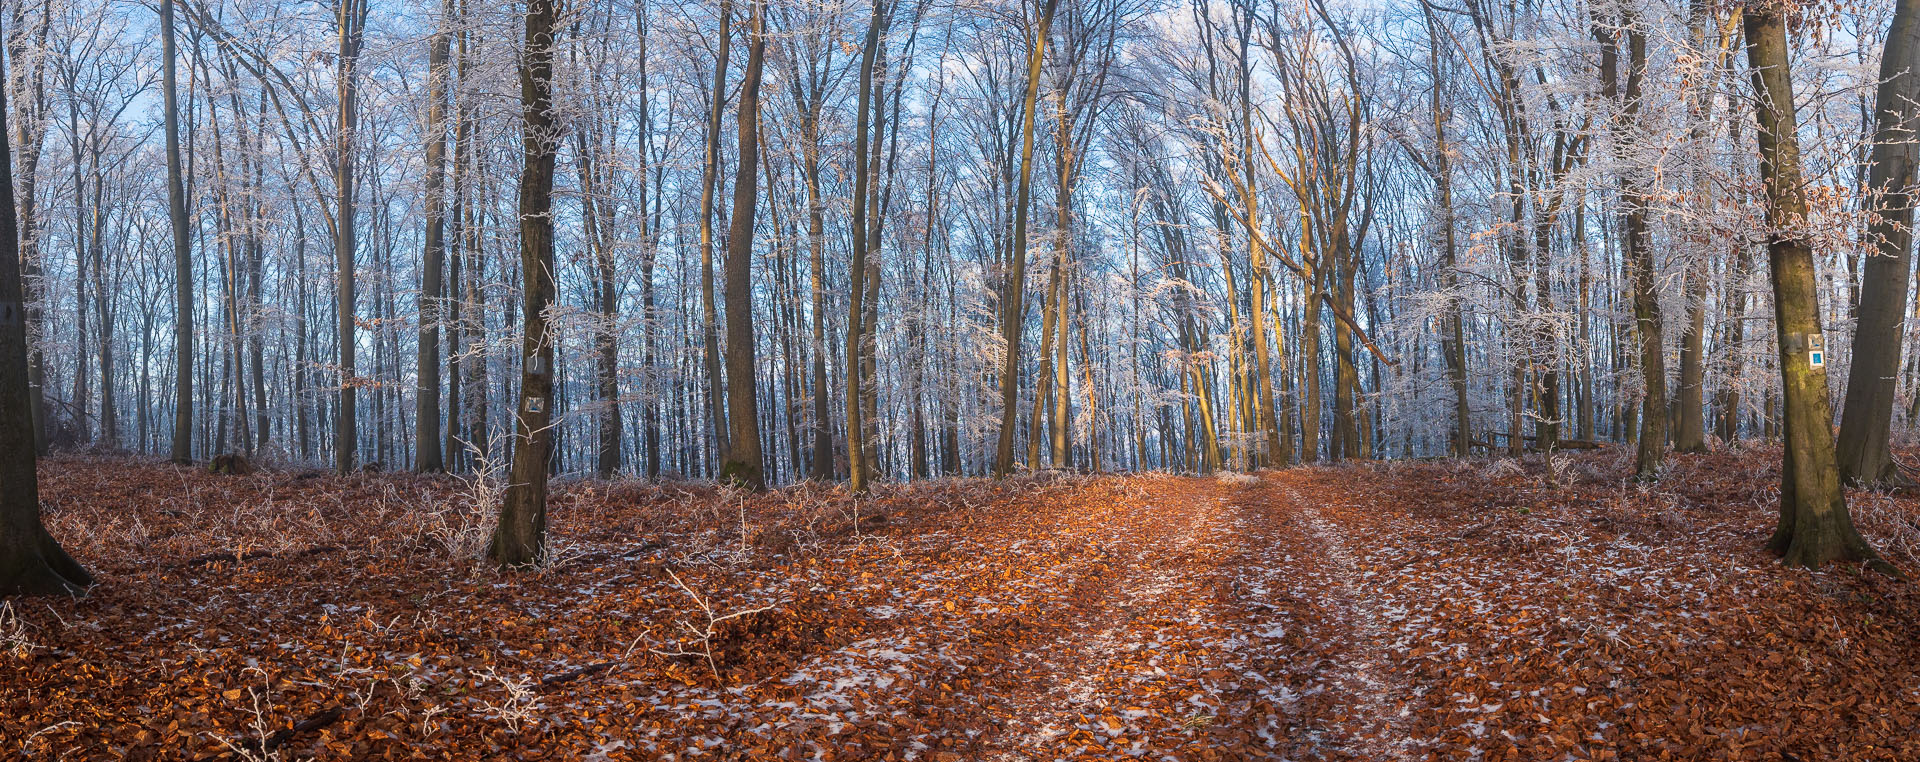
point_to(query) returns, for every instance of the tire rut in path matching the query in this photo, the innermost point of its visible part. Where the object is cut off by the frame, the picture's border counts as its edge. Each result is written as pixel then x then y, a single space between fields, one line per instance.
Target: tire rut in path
pixel 1154 548
pixel 1360 717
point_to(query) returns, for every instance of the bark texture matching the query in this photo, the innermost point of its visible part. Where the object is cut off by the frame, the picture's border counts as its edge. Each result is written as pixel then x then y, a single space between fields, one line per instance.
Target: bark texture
pixel 520 538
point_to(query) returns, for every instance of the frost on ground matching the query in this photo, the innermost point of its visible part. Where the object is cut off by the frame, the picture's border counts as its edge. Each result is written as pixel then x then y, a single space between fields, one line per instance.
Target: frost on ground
pixel 1362 612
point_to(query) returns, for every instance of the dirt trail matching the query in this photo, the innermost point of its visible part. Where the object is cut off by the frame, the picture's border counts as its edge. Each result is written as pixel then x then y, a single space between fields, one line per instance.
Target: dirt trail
pixel 1366 681
pixel 1159 551
pixel 1239 626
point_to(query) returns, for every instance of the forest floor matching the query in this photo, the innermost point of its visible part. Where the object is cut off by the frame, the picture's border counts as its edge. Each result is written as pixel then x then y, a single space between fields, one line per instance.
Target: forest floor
pixel 1409 611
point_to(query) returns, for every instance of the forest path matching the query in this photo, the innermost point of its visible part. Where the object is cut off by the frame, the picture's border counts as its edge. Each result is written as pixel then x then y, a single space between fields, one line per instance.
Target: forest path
pixel 1110 644
pixel 1330 573
pixel 1236 623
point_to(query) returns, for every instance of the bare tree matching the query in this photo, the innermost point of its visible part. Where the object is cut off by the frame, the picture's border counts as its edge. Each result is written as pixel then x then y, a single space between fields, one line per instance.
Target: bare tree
pixel 520 539
pixel 31 561
pixel 1866 421
pixel 182 251
pixel 351 21
pixel 1012 315
pixel 1815 526
pixel 742 463
pixel 427 457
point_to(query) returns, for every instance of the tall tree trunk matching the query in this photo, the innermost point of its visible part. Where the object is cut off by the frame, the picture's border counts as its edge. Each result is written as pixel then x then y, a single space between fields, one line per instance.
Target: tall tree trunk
pixel 1314 284
pixel 182 254
pixel 426 417
pixel 520 538
pixel 1346 408
pixel 31 562
pixel 1089 385
pixel 352 18
pixel 1263 401
pixel 29 134
pixel 1652 438
pixel 821 467
pixel 82 392
pixel 1012 315
pixel 1453 337
pixel 597 218
pixel 709 177
pixel 1727 402
pixel 1690 426
pixel 102 303
pixel 743 463
pixel 649 252
pixel 1043 380
pixel 256 266
pixel 1814 524
pixel 1866 421
pixel 1584 424
pixel 1062 422
pixel 859 461
pixel 1646 295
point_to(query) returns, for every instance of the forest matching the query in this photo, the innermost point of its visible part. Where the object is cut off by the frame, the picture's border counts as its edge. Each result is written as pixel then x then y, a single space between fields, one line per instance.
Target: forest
pixel 959 379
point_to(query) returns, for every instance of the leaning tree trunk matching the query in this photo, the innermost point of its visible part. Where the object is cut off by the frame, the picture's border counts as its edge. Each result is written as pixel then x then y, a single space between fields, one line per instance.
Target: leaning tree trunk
pixel 1814 524
pixel 743 463
pixel 1012 316
pixel 709 176
pixel 520 538
pixel 31 562
pixel 1866 422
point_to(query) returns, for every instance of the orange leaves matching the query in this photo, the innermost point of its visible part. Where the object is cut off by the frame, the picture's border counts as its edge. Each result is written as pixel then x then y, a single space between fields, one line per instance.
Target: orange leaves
pixel 1407 611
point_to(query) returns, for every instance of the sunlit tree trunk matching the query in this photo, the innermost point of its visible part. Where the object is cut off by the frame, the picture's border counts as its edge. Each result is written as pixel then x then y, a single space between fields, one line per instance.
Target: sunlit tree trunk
pixel 709 177
pixel 1012 315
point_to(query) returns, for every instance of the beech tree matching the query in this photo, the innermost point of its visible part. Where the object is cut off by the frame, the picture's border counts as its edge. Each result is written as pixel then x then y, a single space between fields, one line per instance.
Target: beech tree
pixel 31 561
pixel 433 253
pixel 520 538
pixel 1866 421
pixel 182 251
pixel 1815 526
pixel 742 463
pixel 352 21
pixel 1012 318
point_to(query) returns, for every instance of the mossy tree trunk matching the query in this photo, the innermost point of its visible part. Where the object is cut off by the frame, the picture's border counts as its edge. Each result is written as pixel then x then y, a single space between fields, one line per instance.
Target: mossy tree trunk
pixel 1814 525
